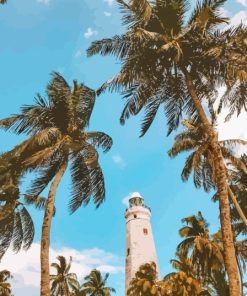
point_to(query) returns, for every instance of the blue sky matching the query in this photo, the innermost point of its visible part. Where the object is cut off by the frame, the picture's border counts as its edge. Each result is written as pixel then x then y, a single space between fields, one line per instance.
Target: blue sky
pixel 41 36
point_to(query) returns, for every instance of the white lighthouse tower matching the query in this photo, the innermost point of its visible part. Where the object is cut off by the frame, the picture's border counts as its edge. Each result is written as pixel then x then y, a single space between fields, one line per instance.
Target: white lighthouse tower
pixel 140 247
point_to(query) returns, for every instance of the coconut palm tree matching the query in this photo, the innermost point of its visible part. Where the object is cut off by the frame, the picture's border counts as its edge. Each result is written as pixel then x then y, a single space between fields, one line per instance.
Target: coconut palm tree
pixel 206 253
pixel 145 282
pixel 3 1
pixel 16 225
pixel 167 60
pixel 63 283
pixel 95 285
pixel 184 281
pixel 58 138
pixel 201 160
pixel 5 287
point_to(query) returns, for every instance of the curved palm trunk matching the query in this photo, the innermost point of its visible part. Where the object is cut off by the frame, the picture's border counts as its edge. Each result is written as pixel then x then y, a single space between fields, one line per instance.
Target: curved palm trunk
pixel 222 186
pixel 45 237
pixel 237 206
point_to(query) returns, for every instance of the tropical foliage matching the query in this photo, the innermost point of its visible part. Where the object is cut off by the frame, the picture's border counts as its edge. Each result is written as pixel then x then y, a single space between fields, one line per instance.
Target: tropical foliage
pixel 201 161
pixel 172 59
pixel 198 267
pixel 63 283
pixel 145 281
pixel 5 287
pixel 95 285
pixel 57 138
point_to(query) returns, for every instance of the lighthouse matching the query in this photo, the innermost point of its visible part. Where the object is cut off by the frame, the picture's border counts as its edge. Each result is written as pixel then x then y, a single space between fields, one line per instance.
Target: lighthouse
pixel 140 247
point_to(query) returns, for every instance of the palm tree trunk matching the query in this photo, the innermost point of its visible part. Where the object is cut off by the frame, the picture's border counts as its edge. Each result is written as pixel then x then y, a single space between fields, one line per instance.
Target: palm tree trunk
pixel 237 206
pixel 45 238
pixel 222 187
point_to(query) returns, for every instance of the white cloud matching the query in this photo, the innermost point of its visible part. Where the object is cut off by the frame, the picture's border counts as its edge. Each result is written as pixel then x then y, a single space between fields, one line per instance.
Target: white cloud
pixel 119 161
pixel 78 54
pixel 239 17
pixel 233 129
pixel 90 32
pixel 243 2
pixel 106 13
pixel 46 2
pixel 25 266
pixel 125 200
pixel 109 2
pixel 224 12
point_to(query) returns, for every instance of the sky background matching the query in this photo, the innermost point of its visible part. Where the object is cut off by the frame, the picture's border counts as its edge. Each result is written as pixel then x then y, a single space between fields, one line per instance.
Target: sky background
pixel 41 36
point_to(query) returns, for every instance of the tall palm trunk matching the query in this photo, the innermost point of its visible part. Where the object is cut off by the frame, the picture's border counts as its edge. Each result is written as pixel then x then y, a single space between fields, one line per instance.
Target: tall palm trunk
pixel 45 238
pixel 222 187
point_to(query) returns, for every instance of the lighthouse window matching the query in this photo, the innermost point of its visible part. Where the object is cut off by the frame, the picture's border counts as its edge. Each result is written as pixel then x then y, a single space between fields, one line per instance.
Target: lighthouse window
pixel 145 231
pixel 135 216
pixel 128 252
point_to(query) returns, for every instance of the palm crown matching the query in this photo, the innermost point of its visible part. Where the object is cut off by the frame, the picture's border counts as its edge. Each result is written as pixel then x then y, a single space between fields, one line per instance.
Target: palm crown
pixel 160 49
pixel 63 282
pixel 95 285
pixel 145 281
pixel 200 161
pixel 57 135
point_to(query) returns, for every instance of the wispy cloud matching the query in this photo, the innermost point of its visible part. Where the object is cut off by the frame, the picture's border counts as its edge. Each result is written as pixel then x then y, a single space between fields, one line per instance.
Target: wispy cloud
pixel 224 12
pixel 243 2
pixel 119 161
pixel 46 2
pixel 109 2
pixel 78 54
pixel 90 32
pixel 240 17
pixel 125 200
pixel 25 266
pixel 233 129
pixel 106 13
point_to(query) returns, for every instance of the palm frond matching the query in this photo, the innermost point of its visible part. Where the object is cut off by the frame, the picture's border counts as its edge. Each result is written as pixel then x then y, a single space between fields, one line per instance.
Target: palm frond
pixel 81 186
pixel 100 139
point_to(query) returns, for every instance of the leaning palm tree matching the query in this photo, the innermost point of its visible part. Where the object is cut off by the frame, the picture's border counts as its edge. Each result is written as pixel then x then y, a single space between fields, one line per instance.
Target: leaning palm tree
pixel 58 139
pixel 179 61
pixel 5 287
pixel 63 283
pixel 238 185
pixel 145 281
pixel 95 285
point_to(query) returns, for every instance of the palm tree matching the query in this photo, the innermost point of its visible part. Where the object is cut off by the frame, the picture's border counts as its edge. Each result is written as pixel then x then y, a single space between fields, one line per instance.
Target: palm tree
pixel 57 138
pixel 63 283
pixel 145 281
pixel 199 263
pixel 201 160
pixel 95 285
pixel 5 287
pixel 206 253
pixel 166 60
pixel 3 1
pixel 16 225
pixel 184 281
